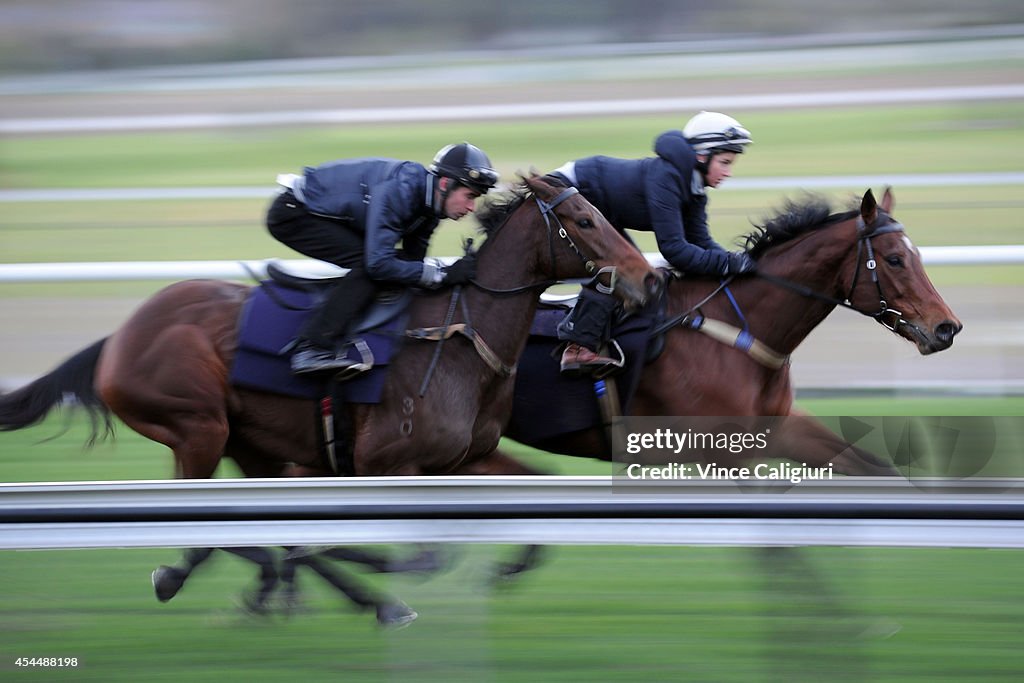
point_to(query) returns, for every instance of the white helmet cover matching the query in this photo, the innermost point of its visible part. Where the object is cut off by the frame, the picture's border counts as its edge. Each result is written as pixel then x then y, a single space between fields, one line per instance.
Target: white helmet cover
pixel 709 132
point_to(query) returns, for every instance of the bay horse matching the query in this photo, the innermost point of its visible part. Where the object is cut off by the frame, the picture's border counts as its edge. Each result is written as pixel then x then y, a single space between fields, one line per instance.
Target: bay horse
pixel 165 372
pixel 809 262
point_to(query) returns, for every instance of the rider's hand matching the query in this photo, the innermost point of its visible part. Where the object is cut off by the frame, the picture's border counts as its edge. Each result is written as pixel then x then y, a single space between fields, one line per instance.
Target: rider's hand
pixel 460 272
pixel 740 263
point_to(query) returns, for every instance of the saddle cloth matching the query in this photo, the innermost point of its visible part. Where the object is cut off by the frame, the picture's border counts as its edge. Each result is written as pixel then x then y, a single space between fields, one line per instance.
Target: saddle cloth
pixel 548 404
pixel 269 323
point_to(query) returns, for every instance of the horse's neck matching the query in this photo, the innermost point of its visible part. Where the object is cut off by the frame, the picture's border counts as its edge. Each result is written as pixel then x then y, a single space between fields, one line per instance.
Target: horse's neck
pixel 511 258
pixel 782 318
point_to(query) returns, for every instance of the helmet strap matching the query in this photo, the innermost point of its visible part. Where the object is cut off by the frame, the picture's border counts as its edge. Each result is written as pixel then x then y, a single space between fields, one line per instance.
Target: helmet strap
pixel 443 190
pixel 702 164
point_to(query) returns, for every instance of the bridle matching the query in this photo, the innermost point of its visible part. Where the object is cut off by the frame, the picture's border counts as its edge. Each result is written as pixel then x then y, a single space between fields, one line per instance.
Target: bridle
pixel 742 339
pixel 887 317
pixel 465 328
pixel 547 212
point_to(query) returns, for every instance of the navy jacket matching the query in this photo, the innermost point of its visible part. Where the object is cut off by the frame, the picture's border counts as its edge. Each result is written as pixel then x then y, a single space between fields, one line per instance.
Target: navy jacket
pixel 390 201
pixel 657 194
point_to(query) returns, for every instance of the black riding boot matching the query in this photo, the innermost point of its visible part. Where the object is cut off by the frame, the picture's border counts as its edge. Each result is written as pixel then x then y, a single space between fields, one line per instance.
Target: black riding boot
pixel 317 349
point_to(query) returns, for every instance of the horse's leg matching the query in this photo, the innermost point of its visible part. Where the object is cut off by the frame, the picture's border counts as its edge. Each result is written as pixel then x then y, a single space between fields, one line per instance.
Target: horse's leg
pixel 171 388
pixel 812 442
pixel 499 463
pixel 391 611
pixel 168 580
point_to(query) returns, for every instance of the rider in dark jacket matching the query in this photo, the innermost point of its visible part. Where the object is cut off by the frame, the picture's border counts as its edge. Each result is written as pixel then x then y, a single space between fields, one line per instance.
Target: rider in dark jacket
pixel 354 213
pixel 664 194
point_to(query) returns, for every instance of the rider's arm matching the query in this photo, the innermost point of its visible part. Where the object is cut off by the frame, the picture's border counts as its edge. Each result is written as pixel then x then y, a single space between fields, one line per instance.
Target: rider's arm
pixel 687 247
pixel 393 212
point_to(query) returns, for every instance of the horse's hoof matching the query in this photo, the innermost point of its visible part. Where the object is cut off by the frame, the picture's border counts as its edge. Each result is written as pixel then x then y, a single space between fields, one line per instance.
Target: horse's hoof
pixel 395 615
pixel 255 604
pixel 291 605
pixel 167 581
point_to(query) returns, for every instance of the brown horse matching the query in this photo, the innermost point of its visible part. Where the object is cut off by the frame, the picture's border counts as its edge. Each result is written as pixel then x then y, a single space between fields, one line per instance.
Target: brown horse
pixel 165 372
pixel 809 261
pixel 444 404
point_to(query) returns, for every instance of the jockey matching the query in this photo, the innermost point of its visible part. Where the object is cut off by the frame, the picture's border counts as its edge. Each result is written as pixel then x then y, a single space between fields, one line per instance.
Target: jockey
pixel 353 213
pixel 664 194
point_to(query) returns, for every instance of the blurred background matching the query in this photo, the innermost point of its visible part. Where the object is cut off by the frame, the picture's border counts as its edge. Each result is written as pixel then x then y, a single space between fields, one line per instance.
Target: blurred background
pixel 48 35
pixel 153 131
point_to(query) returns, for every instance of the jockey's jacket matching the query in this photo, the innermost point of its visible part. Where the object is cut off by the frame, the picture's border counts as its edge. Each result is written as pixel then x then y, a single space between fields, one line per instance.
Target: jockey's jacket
pixel 390 201
pixel 663 194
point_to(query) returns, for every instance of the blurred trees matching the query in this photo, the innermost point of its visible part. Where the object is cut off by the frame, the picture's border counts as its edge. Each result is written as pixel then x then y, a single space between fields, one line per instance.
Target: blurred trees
pixel 44 35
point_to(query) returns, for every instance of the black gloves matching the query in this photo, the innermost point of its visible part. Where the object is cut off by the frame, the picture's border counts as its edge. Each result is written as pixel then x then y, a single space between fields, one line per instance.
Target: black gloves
pixel 740 263
pixel 460 272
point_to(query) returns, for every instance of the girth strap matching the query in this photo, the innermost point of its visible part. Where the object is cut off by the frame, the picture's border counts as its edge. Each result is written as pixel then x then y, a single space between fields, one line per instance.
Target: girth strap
pixel 738 339
pixel 485 352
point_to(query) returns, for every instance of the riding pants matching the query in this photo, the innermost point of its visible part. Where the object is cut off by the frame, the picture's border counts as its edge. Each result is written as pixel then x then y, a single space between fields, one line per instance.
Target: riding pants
pixel 332 241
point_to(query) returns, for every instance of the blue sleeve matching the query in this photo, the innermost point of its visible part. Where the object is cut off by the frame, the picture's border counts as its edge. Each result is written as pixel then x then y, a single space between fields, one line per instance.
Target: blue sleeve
pixel 687 247
pixel 391 213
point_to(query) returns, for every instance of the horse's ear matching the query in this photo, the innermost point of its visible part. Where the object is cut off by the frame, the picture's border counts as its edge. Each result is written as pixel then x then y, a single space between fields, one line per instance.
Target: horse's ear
pixel 536 183
pixel 887 200
pixel 869 209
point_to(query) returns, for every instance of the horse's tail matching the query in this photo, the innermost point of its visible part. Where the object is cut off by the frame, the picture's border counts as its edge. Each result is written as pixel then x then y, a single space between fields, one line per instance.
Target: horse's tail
pixel 71 380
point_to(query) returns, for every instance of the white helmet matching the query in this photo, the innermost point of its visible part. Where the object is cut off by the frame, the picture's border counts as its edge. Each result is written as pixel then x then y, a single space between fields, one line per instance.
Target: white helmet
pixel 709 132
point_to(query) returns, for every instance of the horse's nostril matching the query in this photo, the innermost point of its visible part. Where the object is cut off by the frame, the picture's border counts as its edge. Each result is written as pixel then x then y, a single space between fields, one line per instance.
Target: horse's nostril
pixel 946 331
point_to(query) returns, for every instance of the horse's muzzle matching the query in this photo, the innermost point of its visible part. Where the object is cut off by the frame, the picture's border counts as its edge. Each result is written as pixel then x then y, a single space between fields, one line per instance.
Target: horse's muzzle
pixel 941 337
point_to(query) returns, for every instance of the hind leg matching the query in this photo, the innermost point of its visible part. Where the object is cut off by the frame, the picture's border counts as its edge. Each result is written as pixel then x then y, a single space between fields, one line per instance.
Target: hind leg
pixel 528 556
pixel 168 581
pixel 170 388
pixel 391 611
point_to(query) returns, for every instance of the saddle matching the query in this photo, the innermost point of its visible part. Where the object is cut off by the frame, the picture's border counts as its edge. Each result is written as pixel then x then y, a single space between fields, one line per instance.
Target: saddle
pixel 276 310
pixel 270 320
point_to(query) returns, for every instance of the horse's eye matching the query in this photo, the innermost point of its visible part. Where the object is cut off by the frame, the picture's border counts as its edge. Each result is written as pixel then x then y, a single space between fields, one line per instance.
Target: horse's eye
pixel 585 223
pixel 894 261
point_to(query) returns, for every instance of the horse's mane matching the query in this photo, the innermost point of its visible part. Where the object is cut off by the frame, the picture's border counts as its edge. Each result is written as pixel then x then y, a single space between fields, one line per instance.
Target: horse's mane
pixel 795 218
pixel 497 208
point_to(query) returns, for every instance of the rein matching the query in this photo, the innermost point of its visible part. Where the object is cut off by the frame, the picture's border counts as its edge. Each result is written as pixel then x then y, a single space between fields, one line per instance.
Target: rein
pixel 742 339
pixel 486 353
pixel 547 212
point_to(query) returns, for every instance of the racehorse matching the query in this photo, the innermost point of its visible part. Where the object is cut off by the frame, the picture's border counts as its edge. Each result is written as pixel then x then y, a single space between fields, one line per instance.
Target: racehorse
pixel 444 404
pixel 809 262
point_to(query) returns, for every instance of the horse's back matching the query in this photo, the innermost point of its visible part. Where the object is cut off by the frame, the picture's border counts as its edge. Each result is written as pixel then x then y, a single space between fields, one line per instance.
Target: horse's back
pixel 189 323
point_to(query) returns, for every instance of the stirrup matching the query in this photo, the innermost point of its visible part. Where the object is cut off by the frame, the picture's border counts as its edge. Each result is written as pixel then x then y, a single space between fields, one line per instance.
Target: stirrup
pixel 357 367
pixel 614 366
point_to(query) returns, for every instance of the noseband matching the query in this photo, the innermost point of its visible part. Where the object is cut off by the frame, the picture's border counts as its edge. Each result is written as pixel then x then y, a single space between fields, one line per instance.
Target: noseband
pixel 547 211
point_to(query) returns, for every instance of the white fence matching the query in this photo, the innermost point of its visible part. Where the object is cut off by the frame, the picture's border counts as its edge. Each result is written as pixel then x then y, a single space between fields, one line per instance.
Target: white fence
pixel 499 510
pixel 1006 254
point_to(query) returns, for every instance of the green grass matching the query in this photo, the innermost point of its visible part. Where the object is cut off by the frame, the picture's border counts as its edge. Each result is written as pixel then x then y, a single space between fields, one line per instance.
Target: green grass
pixel 871 140
pixel 834 141
pixel 589 613
pixel 603 614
